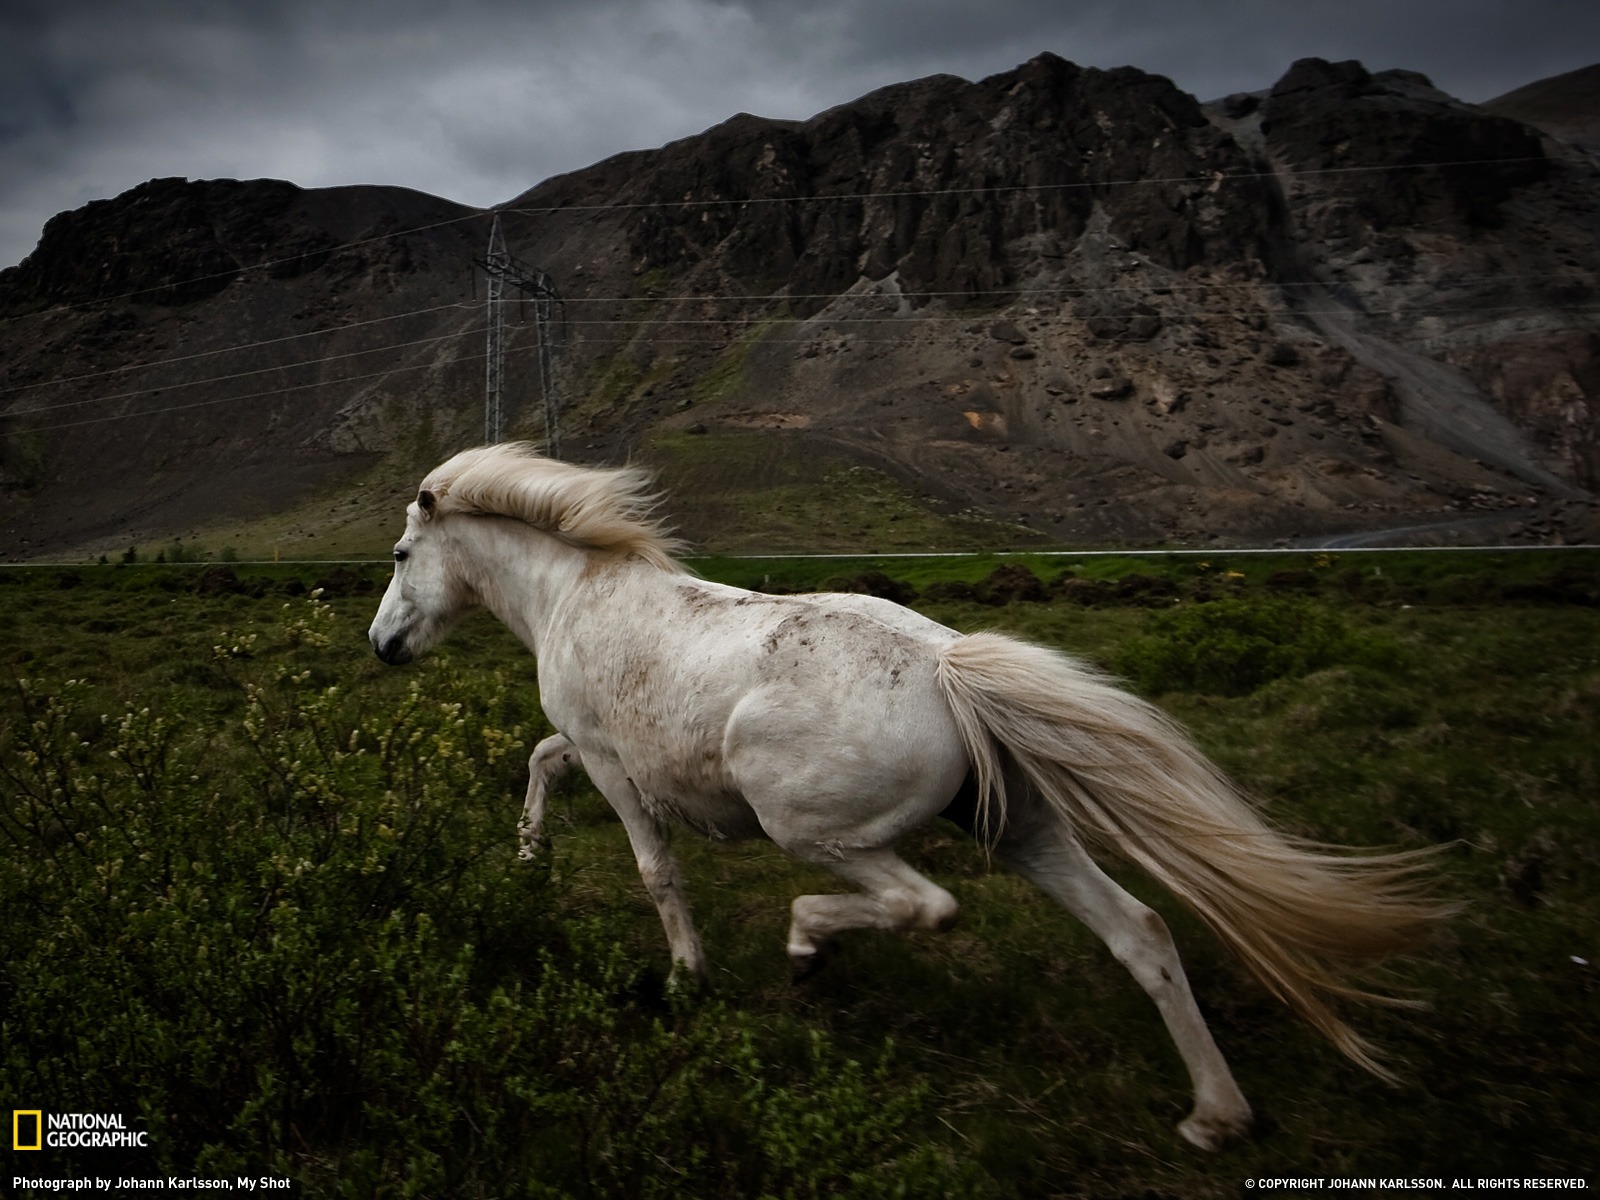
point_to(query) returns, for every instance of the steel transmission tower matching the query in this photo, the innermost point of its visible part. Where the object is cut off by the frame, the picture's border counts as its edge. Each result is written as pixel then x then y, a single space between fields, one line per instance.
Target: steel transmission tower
pixel 503 268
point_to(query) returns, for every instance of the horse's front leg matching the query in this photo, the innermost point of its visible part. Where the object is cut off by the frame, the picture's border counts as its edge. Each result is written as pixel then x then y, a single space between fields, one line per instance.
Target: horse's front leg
pixel 551 759
pixel 657 867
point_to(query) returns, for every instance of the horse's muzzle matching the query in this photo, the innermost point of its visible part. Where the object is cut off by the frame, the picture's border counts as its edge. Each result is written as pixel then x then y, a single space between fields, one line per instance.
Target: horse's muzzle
pixel 393 651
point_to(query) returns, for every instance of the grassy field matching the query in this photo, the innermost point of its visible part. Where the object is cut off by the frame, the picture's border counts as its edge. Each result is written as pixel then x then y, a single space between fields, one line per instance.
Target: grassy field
pixel 262 896
pixel 742 491
pixel 735 491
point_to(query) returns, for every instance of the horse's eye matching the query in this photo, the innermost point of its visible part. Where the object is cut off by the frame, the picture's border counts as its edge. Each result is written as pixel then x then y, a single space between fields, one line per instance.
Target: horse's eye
pixel 401 555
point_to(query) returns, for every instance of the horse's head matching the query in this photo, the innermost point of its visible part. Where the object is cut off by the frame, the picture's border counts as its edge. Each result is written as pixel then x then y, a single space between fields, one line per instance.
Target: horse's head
pixel 426 594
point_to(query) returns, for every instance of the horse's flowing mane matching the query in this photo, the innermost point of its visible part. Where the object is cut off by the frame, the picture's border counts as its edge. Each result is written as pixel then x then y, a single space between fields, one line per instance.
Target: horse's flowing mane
pixel 599 508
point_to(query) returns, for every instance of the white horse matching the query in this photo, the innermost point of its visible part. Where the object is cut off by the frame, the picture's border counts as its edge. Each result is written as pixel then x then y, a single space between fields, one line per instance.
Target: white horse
pixel 835 724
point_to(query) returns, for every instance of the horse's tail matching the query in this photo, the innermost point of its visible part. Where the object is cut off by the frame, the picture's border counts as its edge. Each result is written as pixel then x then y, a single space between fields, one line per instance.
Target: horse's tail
pixel 1119 771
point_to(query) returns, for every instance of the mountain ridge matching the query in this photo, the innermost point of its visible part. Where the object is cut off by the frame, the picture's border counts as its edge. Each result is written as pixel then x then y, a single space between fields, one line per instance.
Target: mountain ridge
pixel 1565 106
pixel 1075 304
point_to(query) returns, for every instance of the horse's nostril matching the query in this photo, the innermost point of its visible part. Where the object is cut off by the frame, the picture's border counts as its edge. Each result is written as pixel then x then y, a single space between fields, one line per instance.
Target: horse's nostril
pixel 393 651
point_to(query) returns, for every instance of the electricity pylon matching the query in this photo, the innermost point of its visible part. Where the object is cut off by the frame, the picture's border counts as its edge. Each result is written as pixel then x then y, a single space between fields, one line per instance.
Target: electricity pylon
pixel 503 268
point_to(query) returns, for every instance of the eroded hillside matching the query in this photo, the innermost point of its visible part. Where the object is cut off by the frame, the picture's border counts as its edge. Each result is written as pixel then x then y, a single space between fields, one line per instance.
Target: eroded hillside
pixel 1057 305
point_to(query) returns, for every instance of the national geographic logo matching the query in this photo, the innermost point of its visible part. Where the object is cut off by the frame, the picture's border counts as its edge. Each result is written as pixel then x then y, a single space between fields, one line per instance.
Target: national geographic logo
pixel 34 1129
pixel 27 1129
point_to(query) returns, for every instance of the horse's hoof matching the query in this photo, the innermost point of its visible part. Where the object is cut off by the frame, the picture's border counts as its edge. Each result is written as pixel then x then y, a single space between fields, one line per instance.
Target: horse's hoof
pixel 1215 1132
pixel 804 966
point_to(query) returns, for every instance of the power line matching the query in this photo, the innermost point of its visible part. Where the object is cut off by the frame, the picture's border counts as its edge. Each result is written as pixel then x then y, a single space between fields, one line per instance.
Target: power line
pixel 1215 177
pixel 241 270
pixel 298 387
pixel 1152 288
pixel 1055 291
pixel 622 341
pixel 959 319
pixel 1145 290
pixel 290 337
pixel 904 321
pixel 306 362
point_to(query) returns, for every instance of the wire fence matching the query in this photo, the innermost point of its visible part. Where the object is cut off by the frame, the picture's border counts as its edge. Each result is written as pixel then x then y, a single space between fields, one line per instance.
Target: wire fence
pixel 869 555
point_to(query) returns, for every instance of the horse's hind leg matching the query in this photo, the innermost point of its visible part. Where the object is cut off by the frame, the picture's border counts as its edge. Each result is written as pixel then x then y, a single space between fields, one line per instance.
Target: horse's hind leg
pixel 1138 937
pixel 551 759
pixel 894 896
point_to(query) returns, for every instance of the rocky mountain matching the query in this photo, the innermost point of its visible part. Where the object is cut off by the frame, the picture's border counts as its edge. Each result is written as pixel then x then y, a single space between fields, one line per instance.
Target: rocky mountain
pixel 1563 106
pixel 1057 305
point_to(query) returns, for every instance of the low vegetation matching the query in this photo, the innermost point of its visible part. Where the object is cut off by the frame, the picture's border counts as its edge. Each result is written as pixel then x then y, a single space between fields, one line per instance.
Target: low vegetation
pixel 262 896
pixel 755 490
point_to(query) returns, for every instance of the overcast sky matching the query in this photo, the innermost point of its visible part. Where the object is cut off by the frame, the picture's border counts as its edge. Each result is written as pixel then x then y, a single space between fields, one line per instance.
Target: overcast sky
pixel 478 100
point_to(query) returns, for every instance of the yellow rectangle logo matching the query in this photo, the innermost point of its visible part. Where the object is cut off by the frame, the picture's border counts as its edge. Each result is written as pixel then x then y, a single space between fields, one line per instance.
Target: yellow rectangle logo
pixel 20 1120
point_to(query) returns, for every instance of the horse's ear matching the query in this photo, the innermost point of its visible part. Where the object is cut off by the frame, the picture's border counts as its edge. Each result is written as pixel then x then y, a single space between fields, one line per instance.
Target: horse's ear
pixel 427 502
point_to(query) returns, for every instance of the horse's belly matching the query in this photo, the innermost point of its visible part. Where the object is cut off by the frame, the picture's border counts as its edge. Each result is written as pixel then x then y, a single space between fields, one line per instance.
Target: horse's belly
pixel 719 815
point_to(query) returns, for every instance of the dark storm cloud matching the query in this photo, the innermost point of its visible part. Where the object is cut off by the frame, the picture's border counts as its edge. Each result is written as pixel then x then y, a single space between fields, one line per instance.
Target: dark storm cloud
pixel 1475 49
pixel 478 100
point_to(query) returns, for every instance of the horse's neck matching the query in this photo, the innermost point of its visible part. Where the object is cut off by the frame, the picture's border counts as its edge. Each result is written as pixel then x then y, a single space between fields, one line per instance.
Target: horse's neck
pixel 522 575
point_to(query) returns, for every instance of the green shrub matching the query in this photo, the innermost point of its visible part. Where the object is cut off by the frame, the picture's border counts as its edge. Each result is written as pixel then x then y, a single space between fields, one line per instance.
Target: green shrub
pixel 468 1053
pixel 299 941
pixel 1233 647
